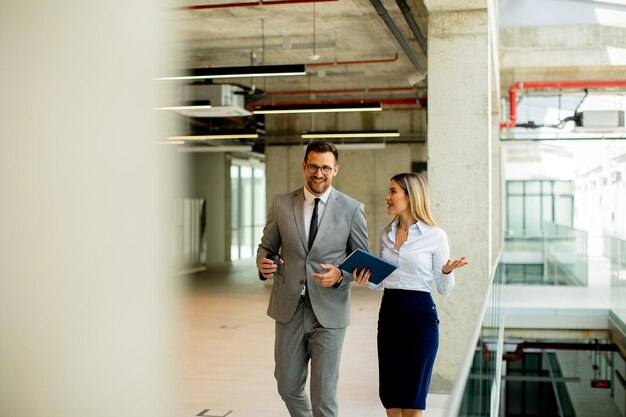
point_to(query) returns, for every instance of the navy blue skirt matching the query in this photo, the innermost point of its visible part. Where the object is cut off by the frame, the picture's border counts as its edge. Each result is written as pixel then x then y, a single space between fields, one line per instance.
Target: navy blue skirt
pixel 408 338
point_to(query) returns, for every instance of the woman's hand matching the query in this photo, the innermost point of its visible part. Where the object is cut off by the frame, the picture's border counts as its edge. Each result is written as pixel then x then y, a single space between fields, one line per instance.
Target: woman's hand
pixel 452 265
pixel 362 278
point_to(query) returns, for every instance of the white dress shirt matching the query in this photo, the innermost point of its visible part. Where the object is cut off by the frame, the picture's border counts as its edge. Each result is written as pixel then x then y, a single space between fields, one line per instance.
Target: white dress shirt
pixel 419 259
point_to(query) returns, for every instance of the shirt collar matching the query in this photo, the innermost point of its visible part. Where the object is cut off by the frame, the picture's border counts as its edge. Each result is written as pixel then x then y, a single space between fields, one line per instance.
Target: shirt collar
pixel 419 226
pixel 309 197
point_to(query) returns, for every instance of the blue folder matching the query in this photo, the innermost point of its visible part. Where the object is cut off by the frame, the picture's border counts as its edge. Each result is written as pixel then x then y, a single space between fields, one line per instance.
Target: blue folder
pixel 379 268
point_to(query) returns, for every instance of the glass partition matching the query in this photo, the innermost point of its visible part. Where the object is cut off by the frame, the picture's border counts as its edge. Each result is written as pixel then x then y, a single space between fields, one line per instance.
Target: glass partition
pixel 618 279
pixel 558 257
pixel 478 394
pixel 565 255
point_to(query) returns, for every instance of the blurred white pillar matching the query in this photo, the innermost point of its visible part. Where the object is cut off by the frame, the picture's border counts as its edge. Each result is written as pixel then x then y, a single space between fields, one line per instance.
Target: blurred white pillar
pixel 85 303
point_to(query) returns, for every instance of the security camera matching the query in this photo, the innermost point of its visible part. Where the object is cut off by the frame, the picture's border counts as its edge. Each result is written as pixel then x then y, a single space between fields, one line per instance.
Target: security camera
pixel 416 77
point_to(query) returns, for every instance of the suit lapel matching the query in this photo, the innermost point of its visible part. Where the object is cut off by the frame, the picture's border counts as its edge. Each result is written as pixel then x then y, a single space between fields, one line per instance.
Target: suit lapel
pixel 298 214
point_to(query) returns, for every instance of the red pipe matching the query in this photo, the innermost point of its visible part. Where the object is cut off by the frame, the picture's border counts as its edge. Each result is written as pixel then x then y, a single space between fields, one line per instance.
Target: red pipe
pixel 554 84
pixel 521 347
pixel 355 91
pixel 371 61
pixel 392 108
pixel 247 4
pixel 385 101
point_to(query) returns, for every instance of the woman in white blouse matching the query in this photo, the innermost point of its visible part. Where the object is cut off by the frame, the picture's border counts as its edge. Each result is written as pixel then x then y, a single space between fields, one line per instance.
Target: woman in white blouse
pixel 408 325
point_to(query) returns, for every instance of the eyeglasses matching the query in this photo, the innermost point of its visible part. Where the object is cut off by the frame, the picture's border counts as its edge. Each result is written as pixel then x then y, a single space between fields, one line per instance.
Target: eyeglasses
pixel 312 169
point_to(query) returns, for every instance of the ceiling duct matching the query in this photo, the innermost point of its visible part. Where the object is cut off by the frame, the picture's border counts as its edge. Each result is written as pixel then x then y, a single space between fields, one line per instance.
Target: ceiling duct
pixel 226 100
pixel 395 31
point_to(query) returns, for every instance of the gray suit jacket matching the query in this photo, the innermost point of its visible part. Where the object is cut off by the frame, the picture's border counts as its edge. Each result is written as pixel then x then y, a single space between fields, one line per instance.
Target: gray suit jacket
pixel 342 229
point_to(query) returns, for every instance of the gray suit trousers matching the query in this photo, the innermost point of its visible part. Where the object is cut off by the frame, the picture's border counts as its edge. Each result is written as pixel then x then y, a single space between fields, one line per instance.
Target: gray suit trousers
pixel 297 341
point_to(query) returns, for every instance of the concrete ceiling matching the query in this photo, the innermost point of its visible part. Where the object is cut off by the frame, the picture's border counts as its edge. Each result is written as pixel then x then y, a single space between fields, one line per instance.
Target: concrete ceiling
pixel 359 58
pixel 337 31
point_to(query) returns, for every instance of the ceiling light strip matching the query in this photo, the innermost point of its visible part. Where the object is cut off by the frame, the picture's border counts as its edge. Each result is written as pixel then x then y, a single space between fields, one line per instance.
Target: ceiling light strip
pixel 239 72
pixel 212 137
pixel 201 149
pixel 191 107
pixel 317 108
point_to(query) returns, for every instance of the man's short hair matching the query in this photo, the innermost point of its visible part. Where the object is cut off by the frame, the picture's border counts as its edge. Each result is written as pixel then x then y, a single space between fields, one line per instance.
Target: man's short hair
pixel 321 147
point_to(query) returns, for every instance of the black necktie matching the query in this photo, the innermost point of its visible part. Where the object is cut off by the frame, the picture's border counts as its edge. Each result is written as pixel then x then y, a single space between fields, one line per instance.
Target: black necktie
pixel 313 228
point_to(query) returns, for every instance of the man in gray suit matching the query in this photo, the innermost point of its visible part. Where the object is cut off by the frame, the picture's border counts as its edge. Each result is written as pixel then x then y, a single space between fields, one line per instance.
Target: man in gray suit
pixel 312 229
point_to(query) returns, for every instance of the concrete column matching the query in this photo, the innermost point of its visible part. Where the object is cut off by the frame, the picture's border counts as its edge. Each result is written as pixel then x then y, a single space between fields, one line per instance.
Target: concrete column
pixel 460 170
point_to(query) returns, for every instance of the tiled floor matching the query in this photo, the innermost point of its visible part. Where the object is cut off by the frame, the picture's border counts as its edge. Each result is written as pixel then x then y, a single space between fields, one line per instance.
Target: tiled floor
pixel 224 359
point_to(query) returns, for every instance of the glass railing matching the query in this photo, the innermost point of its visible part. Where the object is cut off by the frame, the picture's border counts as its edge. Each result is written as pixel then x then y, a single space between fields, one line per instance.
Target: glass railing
pixel 558 257
pixel 618 280
pixel 566 257
pixel 477 391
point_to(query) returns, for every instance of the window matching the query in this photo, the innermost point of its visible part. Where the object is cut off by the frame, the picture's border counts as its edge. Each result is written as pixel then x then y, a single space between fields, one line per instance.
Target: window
pixel 530 203
pixel 248 207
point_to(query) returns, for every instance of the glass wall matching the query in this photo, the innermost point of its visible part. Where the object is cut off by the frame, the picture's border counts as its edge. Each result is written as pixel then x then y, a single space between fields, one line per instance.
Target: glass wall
pixel 481 394
pixel 618 280
pixel 533 202
pixel 248 207
pixel 566 259
pixel 558 257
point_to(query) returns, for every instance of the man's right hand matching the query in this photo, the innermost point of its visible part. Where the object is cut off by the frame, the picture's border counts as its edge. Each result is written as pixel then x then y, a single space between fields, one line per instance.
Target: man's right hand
pixel 267 267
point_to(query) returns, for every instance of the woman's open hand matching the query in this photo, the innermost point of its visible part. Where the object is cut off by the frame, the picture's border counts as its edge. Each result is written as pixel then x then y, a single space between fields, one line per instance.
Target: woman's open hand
pixel 362 278
pixel 452 265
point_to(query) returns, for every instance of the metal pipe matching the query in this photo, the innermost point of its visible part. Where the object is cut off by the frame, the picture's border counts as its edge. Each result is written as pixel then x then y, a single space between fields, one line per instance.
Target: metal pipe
pixel 371 61
pixel 410 20
pixel 347 91
pixel 247 4
pixel 384 101
pixel 404 44
pixel 512 121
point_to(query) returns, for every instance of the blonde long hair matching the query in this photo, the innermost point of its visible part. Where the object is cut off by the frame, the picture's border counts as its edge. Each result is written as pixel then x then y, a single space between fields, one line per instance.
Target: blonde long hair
pixel 415 185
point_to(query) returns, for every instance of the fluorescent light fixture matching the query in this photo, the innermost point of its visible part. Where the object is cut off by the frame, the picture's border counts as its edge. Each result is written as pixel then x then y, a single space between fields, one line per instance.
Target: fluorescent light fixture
pixel 239 72
pixel 176 108
pixel 201 149
pixel 357 146
pixel 351 134
pixel 317 108
pixel 193 109
pixel 212 137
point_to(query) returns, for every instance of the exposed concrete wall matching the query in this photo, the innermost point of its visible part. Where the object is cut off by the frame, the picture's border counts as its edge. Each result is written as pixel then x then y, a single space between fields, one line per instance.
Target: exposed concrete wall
pixel 586 43
pixel 459 169
pixel 363 175
pixel 287 128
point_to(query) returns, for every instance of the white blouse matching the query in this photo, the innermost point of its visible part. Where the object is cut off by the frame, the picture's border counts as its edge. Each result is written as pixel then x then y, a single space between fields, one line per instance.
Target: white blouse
pixel 419 259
